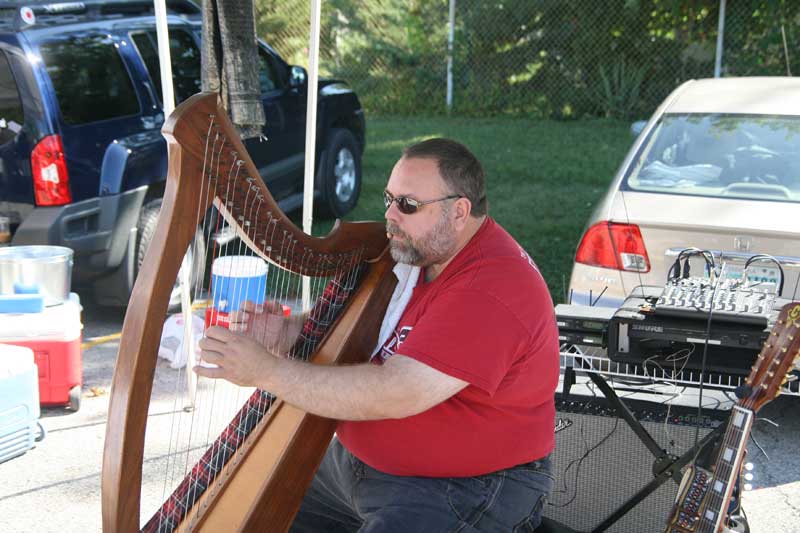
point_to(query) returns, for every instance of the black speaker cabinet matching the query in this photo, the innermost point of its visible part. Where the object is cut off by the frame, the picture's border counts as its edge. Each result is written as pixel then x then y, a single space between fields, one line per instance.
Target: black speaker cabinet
pixel 600 463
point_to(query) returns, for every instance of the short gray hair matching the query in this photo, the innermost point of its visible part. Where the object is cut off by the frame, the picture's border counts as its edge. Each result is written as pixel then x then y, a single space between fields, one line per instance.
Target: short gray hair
pixel 459 168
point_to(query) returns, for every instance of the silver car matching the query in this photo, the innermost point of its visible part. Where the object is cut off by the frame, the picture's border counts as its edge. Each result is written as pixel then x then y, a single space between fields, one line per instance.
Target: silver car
pixel 717 167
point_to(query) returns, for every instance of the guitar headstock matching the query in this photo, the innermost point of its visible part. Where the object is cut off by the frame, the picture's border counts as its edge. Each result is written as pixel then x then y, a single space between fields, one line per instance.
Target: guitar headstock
pixel 776 358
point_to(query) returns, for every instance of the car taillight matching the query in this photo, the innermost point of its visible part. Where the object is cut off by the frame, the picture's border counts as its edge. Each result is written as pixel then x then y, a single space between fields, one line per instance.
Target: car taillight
pixel 50 180
pixel 612 245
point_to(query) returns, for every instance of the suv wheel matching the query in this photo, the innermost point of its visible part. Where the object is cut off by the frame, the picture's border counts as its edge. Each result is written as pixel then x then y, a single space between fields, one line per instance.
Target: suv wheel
pixel 148 218
pixel 340 180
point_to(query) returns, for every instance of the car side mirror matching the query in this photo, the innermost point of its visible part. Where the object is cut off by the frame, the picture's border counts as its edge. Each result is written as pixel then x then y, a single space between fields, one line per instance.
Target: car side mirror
pixel 298 77
pixel 637 127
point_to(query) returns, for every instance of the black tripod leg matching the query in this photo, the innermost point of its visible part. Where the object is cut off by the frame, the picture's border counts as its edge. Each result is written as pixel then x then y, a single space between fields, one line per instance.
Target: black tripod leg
pixel 671 472
pixel 626 414
pixel 569 381
pixel 668 467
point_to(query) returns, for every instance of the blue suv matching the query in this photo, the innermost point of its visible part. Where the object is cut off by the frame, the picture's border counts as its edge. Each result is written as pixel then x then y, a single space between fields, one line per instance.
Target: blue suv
pixel 82 159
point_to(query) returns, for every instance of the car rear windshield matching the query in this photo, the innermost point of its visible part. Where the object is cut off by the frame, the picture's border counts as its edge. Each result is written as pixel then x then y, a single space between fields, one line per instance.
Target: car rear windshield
pixel 89 78
pixel 738 156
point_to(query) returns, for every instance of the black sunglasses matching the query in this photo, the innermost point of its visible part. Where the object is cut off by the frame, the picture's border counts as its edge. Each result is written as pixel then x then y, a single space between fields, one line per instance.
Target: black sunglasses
pixel 409 206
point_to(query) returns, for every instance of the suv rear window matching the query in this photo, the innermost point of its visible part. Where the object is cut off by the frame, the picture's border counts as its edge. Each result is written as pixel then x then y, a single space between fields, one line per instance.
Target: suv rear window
pixel 10 105
pixel 185 57
pixel 755 157
pixel 89 78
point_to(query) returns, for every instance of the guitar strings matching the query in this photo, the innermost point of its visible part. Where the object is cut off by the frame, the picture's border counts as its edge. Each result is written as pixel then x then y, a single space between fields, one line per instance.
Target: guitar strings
pixel 732 440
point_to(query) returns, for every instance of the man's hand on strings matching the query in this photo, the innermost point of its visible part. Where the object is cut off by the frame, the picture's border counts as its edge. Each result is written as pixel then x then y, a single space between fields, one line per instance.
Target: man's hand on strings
pixel 239 358
pixel 260 321
pixel 265 323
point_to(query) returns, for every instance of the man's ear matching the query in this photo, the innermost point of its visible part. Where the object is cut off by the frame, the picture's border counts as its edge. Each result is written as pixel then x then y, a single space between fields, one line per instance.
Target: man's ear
pixel 462 209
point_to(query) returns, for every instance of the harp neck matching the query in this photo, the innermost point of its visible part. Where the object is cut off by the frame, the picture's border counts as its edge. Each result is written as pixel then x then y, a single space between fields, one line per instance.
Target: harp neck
pixel 202 131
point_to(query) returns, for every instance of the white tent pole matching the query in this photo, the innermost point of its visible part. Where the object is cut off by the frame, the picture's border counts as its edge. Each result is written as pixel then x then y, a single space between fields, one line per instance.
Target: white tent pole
pixel 311 133
pixel 164 60
pixel 168 100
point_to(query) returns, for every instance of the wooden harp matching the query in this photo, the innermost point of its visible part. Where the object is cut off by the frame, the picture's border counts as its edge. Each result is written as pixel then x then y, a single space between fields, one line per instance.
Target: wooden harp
pixel 258 484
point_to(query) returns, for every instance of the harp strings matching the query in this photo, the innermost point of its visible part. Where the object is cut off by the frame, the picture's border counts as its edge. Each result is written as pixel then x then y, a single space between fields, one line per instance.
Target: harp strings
pixel 196 453
pixel 186 414
pixel 176 462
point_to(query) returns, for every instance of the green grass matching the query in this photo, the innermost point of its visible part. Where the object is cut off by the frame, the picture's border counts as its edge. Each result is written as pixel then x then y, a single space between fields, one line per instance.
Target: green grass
pixel 543 177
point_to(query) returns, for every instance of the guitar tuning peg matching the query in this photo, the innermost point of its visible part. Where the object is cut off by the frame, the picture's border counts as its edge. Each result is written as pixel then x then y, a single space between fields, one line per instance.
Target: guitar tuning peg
pixel 748 476
pixel 748 466
pixel 748 486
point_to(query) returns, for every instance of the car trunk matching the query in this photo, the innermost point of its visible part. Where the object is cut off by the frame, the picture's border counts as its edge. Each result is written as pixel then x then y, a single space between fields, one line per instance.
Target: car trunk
pixel 715 224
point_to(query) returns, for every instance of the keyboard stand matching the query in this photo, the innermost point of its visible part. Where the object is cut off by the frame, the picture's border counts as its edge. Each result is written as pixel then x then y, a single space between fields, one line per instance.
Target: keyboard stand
pixel 665 467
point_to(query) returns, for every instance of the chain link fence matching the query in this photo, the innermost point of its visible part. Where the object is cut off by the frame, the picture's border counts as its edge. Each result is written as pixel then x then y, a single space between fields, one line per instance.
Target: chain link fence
pixel 538 58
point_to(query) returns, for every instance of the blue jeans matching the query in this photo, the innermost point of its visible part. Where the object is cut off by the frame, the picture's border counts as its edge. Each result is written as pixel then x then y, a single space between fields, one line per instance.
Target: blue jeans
pixel 347 496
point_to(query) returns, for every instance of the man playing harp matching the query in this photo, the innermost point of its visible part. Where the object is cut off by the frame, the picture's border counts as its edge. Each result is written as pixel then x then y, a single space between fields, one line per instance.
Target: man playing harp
pixel 449 427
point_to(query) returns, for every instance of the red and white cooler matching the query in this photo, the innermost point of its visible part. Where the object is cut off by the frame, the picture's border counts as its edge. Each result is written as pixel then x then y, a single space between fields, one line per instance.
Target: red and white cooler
pixel 54 335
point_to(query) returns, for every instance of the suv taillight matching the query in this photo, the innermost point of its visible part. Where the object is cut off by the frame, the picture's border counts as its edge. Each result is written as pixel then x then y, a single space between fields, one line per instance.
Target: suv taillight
pixel 612 245
pixel 50 180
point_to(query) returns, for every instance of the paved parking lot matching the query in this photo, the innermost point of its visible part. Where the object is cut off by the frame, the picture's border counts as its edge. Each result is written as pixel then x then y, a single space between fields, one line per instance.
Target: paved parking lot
pixel 55 487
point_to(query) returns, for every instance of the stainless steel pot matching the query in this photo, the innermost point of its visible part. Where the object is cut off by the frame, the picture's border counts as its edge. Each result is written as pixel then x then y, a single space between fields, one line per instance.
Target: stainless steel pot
pixel 48 268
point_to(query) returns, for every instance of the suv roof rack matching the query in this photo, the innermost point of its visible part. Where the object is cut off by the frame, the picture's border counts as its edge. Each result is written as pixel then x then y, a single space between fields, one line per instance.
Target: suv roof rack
pixel 20 15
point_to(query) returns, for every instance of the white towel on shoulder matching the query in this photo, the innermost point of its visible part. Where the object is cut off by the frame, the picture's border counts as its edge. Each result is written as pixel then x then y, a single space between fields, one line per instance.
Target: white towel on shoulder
pixel 407 277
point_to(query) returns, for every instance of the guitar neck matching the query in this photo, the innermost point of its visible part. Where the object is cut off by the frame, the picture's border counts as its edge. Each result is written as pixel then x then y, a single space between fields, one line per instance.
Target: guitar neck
pixel 704 496
pixel 726 469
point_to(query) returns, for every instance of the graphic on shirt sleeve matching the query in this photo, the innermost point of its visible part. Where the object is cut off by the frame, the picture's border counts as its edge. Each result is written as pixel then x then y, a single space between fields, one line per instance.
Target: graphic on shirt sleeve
pixel 526 256
pixel 404 331
pixel 393 343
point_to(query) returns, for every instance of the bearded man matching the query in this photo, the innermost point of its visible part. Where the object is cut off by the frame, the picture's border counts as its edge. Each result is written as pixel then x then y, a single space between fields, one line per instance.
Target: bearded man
pixel 450 426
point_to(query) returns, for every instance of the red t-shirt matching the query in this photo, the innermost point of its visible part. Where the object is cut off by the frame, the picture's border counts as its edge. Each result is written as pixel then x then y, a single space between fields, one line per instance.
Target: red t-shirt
pixel 486 319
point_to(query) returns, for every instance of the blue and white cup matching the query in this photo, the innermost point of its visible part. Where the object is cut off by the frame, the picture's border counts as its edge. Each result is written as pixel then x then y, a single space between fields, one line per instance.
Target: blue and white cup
pixel 236 279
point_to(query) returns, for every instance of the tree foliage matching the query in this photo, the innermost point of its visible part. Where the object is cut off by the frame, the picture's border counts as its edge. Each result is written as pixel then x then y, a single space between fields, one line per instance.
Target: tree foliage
pixel 532 57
